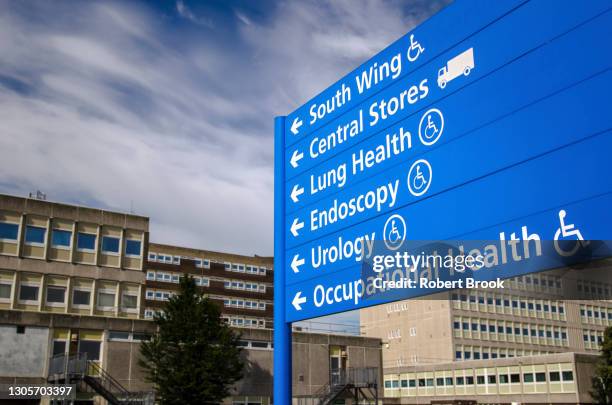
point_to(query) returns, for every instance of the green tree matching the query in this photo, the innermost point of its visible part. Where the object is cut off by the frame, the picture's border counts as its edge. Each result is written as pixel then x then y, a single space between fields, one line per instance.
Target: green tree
pixel 194 357
pixel 602 381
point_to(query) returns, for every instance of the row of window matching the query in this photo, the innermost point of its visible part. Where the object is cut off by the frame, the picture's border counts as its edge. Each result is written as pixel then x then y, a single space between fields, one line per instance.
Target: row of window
pixel 244 322
pixel 205 263
pixel 62 239
pixel 55 295
pixel 596 315
pixel 244 285
pixel 245 268
pixel 592 338
pixel 491 379
pixel 591 289
pixel 256 344
pixel 164 258
pixel 247 304
pixel 536 282
pixel 494 300
pixel 485 353
pixel 159 295
pixel 492 329
pixel 120 336
pixel 174 278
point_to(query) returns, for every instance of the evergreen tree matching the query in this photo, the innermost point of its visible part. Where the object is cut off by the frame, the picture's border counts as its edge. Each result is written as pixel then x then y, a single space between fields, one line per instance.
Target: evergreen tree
pixel 194 357
pixel 602 382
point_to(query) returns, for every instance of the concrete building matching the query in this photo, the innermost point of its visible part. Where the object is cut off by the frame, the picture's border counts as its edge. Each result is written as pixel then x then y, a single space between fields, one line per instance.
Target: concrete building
pixel 78 283
pixel 534 320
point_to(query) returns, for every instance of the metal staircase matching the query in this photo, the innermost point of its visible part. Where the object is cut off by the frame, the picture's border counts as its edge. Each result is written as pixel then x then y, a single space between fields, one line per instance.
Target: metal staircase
pixel 352 383
pixel 76 369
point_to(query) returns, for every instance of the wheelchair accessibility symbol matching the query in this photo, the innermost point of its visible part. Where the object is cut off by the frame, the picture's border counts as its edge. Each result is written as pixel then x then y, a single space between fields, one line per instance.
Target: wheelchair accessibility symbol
pixel 568 231
pixel 414 50
pixel 419 177
pixel 394 232
pixel 431 126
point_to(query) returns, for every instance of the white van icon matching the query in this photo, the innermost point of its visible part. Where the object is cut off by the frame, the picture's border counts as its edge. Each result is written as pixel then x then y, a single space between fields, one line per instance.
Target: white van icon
pixel 460 64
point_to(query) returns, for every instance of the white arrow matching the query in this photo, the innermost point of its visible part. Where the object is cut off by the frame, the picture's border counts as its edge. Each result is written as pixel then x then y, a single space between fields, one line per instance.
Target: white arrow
pixel 296 192
pixel 298 300
pixel 297 123
pixel 295 158
pixel 296 226
pixel 296 263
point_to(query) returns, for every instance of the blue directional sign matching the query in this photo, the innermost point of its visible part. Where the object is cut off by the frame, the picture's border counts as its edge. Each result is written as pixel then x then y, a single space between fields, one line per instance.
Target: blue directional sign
pixel 490 121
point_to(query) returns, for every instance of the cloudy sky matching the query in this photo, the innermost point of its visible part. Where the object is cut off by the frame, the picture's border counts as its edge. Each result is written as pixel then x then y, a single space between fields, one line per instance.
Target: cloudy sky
pixel 166 108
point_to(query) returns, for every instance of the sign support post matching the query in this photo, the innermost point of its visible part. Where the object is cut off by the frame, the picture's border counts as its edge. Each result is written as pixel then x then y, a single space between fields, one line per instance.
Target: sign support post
pixel 282 329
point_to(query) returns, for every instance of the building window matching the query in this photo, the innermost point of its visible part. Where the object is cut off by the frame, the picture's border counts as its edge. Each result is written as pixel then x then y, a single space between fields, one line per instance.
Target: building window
pixel 86 241
pixel 567 376
pixel 152 256
pixel 555 376
pixel 91 348
pixel 81 297
pixel 118 336
pixel 60 238
pixel 59 347
pixel 56 294
pixel 528 377
pixel 106 299
pixel 8 231
pixel 129 301
pixel 5 291
pixel 132 247
pixel 150 275
pixel 540 377
pixel 35 235
pixel 28 292
pixel 176 260
pixel 110 244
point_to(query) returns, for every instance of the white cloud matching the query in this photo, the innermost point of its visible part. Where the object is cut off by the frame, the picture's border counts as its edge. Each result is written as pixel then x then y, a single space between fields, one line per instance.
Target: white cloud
pixel 114 109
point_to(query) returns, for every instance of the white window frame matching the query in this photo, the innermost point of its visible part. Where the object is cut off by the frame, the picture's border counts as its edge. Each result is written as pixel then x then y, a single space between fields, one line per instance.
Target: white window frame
pixel 81 306
pixel 105 291
pixel 176 278
pixel 150 272
pixel 152 257
pixel 55 304
pixel 150 292
pixel 29 284
pixel 176 260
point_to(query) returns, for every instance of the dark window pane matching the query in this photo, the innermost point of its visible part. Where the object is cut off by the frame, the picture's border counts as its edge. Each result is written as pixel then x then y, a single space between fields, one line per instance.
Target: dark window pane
pixel 81 297
pixel 86 241
pixel 116 335
pixel 60 238
pixel 132 247
pixel 8 231
pixel 555 376
pixel 528 377
pixel 568 376
pixel 59 347
pixel 110 244
pixel 35 234
pixel 540 377
pixel 92 348
pixel 56 294
pixel 28 293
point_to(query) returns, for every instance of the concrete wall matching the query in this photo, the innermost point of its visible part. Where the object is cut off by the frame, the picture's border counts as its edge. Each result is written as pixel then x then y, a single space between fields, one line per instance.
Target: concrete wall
pixel 23 355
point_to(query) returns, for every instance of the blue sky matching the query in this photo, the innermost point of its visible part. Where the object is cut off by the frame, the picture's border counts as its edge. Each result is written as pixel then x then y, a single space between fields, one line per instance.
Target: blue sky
pixel 167 107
